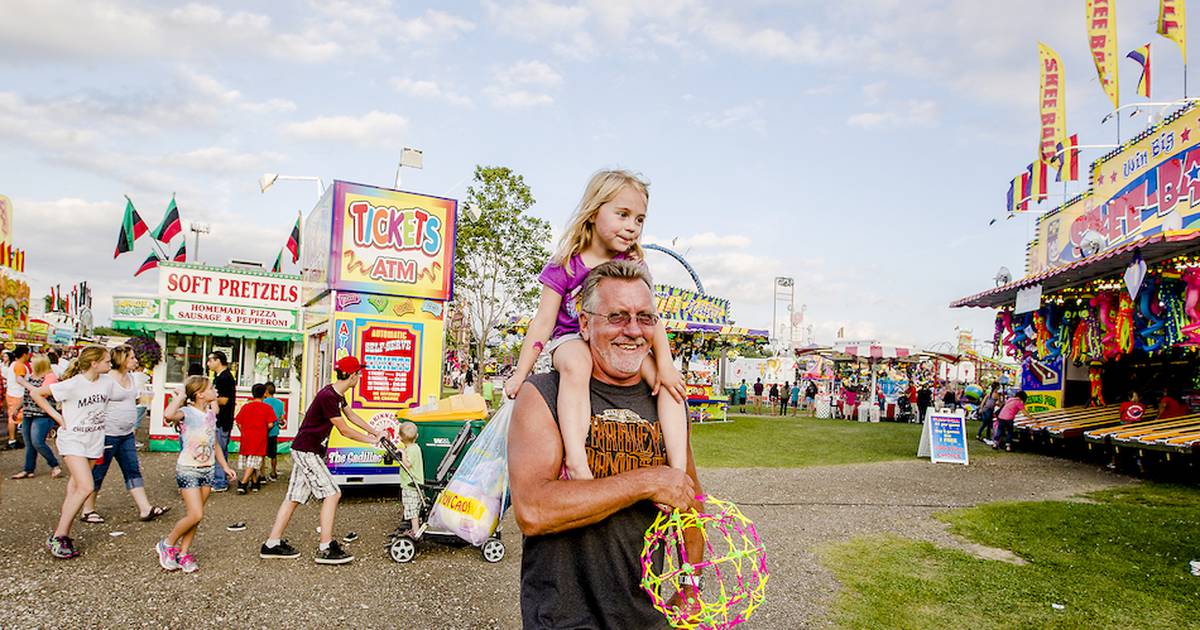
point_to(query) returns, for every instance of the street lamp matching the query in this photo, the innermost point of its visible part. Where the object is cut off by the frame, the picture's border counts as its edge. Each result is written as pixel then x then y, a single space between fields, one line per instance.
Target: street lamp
pixel 412 158
pixel 197 228
pixel 269 179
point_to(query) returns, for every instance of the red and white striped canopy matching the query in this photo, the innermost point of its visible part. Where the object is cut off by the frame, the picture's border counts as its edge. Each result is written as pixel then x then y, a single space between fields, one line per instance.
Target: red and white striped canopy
pixel 873 351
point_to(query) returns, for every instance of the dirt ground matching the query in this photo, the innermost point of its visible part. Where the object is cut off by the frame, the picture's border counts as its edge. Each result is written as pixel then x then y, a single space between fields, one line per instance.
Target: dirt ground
pixel 117 580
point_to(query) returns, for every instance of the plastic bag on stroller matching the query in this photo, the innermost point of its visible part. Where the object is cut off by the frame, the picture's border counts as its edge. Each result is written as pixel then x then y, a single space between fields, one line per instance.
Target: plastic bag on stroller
pixel 471 505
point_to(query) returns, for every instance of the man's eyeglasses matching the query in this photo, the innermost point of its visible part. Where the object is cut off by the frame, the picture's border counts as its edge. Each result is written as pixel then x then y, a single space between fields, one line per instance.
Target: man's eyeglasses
pixel 646 320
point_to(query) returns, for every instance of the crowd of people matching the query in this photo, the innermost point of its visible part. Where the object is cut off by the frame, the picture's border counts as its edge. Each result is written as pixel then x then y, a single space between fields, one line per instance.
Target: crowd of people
pixel 776 398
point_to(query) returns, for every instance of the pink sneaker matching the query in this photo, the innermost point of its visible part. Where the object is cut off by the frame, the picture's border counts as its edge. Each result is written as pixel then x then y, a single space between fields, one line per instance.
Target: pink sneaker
pixel 188 563
pixel 168 557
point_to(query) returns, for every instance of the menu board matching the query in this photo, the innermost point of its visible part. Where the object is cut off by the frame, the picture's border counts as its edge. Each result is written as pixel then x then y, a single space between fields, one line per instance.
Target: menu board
pixel 390 354
pixel 948 437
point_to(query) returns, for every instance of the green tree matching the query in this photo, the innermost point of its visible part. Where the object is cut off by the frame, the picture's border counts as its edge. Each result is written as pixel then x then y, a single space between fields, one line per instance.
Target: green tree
pixel 499 252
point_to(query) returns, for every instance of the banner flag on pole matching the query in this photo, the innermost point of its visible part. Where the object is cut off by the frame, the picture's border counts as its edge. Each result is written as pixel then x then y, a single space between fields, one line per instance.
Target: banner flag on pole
pixel 132 227
pixel 181 253
pixel 293 242
pixel 1172 23
pixel 1068 160
pixel 278 266
pixel 1011 203
pixel 1051 102
pixel 1142 57
pixel 1026 178
pixel 170 225
pixel 1102 40
pixel 150 263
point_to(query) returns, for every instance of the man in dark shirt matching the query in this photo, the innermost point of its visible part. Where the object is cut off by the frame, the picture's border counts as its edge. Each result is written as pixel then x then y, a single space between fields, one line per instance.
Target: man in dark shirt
pixel 226 388
pixel 924 400
pixel 583 538
pixel 310 475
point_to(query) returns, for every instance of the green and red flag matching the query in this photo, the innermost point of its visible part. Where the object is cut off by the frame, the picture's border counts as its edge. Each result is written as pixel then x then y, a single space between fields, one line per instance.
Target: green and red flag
pixel 181 253
pixel 170 226
pixel 132 227
pixel 150 263
pixel 278 266
pixel 293 243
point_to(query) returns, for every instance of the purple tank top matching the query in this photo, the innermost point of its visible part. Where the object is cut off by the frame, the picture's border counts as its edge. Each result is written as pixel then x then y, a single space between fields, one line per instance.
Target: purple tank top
pixel 556 278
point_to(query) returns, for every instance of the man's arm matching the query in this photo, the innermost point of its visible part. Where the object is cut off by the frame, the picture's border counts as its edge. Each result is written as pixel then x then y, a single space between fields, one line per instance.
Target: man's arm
pixel 357 420
pixel 349 430
pixel 544 504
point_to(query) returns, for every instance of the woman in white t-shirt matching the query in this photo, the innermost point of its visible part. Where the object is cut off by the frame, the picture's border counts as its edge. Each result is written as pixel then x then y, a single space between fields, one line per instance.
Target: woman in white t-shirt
pixel 83 393
pixel 119 424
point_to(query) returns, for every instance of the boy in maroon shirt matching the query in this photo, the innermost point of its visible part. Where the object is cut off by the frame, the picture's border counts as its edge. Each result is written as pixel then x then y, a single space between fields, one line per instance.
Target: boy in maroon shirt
pixel 310 476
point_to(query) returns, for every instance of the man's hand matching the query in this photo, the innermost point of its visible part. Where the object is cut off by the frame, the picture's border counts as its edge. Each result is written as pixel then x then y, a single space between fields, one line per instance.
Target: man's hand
pixel 670 486
pixel 671 380
pixel 686 600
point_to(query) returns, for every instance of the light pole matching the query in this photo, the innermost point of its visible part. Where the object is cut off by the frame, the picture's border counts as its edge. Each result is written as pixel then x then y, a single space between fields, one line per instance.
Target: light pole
pixel 412 158
pixel 197 228
pixel 269 179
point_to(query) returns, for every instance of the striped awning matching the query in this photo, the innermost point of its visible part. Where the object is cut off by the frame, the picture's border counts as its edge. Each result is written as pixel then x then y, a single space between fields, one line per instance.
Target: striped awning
pixel 873 351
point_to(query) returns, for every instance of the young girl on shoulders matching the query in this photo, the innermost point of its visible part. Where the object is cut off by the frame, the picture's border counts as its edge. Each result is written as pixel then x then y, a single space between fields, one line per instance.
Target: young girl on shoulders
pixel 197 424
pixel 606 226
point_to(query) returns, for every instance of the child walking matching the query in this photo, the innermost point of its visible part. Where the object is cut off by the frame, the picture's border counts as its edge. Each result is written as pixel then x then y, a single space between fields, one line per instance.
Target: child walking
pixel 254 420
pixel 410 496
pixel 606 226
pixel 194 412
pixel 83 393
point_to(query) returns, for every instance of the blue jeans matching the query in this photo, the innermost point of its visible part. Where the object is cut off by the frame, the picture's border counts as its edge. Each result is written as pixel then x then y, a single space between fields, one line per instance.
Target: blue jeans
pixel 219 479
pixel 123 449
pixel 34 430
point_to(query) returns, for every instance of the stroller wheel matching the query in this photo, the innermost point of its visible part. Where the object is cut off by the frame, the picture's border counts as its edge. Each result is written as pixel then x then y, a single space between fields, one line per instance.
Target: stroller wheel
pixel 493 550
pixel 403 549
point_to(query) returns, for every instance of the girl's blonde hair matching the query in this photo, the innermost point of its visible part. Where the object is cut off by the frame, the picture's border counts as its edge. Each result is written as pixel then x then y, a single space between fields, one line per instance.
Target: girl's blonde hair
pixel 601 189
pixel 88 357
pixel 193 385
pixel 118 356
pixel 40 365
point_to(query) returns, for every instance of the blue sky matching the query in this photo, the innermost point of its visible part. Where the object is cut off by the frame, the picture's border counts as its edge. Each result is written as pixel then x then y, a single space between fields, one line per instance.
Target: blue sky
pixel 859 146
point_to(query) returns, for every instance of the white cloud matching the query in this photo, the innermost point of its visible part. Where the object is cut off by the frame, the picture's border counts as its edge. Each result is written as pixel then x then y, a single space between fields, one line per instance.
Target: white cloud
pixel 430 90
pixel 207 86
pixel 373 128
pixel 523 85
pixel 748 116
pixel 223 160
pixel 873 92
pixel 536 18
pixel 912 113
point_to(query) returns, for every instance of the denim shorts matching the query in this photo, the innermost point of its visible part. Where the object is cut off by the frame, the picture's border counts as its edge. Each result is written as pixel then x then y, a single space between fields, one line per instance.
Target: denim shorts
pixel 193 476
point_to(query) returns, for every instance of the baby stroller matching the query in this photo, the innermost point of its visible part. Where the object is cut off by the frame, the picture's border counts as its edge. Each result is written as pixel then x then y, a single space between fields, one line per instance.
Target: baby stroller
pixel 904 410
pixel 402 545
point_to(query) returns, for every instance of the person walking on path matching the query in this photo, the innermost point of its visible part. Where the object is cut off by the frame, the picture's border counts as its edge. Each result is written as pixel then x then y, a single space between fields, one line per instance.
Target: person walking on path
pixel 193 411
pixel 37 424
pixel 120 421
pixel 14 373
pixel 310 476
pixel 83 393
pixel 226 388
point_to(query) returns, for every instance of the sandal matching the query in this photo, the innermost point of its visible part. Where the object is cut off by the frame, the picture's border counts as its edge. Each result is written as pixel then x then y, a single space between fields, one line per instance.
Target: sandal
pixel 56 473
pixel 92 518
pixel 154 513
pixel 22 475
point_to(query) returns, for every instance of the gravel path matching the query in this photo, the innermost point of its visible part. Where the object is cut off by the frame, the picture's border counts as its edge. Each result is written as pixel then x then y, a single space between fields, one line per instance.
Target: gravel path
pixel 117 581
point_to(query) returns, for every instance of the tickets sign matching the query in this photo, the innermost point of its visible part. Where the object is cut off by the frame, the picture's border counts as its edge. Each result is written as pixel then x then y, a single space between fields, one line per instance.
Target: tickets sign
pixel 392 242
pixel 390 353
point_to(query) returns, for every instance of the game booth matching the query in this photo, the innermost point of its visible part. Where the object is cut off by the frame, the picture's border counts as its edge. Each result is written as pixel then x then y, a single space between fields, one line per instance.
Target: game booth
pixel 377 268
pixel 1110 303
pixel 699 330
pixel 860 374
pixel 250 315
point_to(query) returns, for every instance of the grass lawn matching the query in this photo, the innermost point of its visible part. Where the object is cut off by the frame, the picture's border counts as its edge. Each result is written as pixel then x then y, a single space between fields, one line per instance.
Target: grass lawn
pixel 1121 562
pixel 793 442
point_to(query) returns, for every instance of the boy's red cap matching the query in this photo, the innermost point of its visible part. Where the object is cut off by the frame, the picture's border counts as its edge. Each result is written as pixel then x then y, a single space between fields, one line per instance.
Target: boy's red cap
pixel 348 365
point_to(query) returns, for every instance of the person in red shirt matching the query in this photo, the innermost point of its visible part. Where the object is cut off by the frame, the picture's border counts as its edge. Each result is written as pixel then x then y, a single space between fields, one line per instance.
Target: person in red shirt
pixel 1132 410
pixel 254 420
pixel 1169 406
